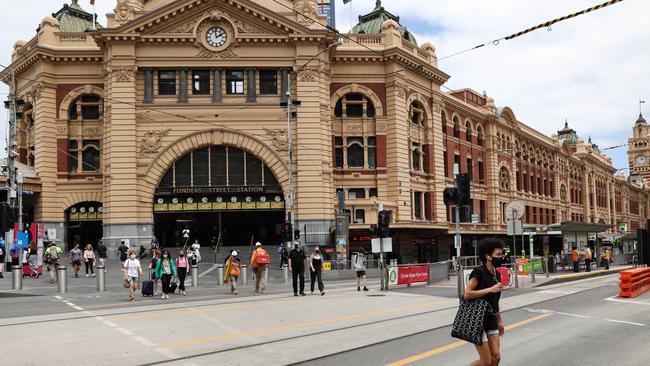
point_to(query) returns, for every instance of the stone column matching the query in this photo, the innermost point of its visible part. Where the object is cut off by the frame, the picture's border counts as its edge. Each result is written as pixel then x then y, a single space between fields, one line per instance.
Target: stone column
pixel 148 85
pixel 217 86
pixel 182 85
pixel 120 201
pixel 47 211
pixel 252 87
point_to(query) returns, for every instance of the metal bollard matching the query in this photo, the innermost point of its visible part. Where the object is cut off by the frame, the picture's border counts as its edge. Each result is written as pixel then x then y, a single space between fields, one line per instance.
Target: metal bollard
pixel 244 274
pixel 101 278
pixel 220 275
pixel 17 278
pixel 61 274
pixel 285 273
pixel 532 269
pixel 194 272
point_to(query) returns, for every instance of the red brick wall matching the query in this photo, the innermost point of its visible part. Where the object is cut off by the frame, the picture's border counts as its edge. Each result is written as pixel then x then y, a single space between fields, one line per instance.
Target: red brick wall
pixel 61 156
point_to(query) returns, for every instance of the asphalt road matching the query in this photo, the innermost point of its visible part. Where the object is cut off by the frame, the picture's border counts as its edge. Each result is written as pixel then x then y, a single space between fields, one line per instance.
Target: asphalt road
pixel 586 328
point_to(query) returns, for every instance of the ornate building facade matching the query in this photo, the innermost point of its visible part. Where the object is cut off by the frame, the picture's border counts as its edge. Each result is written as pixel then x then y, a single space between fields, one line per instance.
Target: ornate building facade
pixel 171 117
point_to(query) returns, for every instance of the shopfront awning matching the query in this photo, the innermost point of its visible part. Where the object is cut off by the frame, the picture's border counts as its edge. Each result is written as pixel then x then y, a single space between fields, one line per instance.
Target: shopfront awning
pixel 583 227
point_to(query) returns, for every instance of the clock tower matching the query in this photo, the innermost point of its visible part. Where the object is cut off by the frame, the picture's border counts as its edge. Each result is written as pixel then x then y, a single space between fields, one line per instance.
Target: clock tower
pixel 638 152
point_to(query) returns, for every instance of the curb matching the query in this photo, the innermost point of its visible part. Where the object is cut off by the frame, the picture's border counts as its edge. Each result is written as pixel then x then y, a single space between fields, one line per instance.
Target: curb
pixel 582 276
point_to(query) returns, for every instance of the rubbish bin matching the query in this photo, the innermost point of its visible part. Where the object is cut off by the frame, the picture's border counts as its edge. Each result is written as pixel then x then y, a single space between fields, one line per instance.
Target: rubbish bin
pixel 551 264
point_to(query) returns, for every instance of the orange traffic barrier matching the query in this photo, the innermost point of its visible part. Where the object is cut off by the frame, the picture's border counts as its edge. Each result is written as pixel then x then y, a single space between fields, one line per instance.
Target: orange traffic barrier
pixel 634 282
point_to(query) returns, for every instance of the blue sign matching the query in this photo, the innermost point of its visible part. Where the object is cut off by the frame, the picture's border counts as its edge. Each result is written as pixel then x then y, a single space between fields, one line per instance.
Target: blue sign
pixel 22 239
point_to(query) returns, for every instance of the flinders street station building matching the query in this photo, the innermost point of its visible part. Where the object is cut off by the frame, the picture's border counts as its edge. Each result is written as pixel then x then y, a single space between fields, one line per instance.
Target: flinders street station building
pixel 173 115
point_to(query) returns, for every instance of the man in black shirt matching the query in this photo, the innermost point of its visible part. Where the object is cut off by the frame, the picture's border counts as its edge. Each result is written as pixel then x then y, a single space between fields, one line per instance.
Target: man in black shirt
pixel 297 265
pixel 102 253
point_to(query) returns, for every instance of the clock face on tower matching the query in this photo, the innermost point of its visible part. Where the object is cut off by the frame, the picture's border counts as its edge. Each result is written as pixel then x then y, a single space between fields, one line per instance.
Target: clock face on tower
pixel 641 160
pixel 216 37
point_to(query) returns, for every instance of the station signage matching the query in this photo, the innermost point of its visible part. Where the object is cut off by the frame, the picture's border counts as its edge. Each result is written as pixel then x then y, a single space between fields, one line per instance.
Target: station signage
pixel 216 190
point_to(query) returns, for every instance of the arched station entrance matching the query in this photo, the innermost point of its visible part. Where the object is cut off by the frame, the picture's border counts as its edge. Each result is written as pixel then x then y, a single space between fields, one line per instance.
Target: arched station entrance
pixel 84 223
pixel 218 191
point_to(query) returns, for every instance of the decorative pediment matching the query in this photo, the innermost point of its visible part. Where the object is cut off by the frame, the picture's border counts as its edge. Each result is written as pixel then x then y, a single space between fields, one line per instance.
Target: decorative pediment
pixel 184 16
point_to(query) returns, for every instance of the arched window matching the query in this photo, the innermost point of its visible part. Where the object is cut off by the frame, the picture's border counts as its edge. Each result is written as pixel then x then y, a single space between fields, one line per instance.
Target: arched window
pixel 416 113
pixel 504 178
pixel 416 157
pixel 443 116
pixel 468 131
pixel 456 128
pixel 479 135
pixel 355 155
pixel 90 156
pixel 88 106
pixel 354 105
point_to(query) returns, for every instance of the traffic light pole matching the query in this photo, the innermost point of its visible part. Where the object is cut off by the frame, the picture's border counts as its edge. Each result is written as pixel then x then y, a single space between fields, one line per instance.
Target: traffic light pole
pixel 292 218
pixel 11 146
pixel 457 242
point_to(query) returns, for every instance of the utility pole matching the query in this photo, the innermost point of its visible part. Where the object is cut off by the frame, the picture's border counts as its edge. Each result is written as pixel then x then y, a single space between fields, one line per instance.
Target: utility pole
pixel 290 148
pixel 11 144
pixel 457 240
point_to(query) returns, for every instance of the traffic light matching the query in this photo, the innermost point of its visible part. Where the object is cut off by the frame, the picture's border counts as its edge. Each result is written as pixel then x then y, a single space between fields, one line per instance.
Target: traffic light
pixel 450 196
pixel 296 234
pixel 286 231
pixel 383 223
pixel 462 182
pixel 373 231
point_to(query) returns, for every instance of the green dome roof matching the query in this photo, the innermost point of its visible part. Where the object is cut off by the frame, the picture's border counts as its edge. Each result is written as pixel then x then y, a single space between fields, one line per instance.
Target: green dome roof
pixel 73 18
pixel 371 23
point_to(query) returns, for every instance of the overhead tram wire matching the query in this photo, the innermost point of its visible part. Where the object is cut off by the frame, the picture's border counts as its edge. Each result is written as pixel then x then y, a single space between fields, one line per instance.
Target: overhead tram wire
pixel 547 24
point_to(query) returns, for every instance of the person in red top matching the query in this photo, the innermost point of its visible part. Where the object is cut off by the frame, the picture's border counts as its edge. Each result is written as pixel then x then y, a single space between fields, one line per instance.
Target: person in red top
pixel 259 261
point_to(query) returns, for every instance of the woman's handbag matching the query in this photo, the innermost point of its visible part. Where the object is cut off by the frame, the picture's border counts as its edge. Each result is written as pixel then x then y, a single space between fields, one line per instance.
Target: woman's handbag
pixel 468 324
pixel 126 282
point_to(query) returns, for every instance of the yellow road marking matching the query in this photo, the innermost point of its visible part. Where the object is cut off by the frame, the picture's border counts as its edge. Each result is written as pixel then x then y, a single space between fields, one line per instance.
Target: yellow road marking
pixel 457 344
pixel 291 326
pixel 167 313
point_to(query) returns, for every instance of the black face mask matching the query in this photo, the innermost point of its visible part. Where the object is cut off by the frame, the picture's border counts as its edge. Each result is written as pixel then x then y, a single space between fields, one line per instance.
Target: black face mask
pixel 497 262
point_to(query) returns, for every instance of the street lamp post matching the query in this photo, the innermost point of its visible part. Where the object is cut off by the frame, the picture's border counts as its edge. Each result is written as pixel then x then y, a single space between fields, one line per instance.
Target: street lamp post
pixel 290 102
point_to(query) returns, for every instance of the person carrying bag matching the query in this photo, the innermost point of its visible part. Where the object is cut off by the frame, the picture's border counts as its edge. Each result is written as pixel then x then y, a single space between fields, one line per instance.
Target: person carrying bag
pixel 478 320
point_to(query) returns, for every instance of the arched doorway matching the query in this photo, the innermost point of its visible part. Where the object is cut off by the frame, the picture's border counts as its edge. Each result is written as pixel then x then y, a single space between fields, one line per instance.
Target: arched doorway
pixel 84 223
pixel 218 191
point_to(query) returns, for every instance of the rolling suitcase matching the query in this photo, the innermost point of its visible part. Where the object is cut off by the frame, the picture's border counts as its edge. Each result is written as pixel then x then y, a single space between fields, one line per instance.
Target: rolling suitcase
pixel 172 287
pixel 147 286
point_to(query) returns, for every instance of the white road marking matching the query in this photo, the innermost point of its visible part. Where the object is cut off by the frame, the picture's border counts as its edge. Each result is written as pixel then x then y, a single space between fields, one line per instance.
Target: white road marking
pixel 109 323
pixel 58 297
pixel 214 266
pixel 144 341
pixel 546 311
pixel 165 352
pixel 125 331
pixel 625 322
pixel 636 302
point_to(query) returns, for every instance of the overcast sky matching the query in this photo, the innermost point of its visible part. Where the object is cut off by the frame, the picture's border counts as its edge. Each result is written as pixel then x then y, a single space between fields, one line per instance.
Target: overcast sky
pixel 591 70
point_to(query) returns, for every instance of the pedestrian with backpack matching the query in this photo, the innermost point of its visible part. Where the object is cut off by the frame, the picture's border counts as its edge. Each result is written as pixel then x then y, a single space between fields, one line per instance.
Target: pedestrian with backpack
pixel 182 267
pixel 316 266
pixel 122 251
pixel 152 271
pixel 359 265
pixel 132 272
pixel 165 270
pixel 232 270
pixel 52 255
pixel 260 260
pixel 14 252
pixel 102 254
pixel 75 259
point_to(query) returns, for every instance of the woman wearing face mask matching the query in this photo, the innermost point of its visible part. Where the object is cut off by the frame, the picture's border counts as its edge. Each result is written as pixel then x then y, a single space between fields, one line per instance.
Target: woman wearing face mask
pixel 181 268
pixel 316 266
pixel 132 272
pixel 485 283
pixel 165 270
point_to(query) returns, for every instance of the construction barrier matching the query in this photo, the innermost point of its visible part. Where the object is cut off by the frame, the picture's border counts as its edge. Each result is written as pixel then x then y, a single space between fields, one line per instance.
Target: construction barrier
pixel 634 282
pixel 522 266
